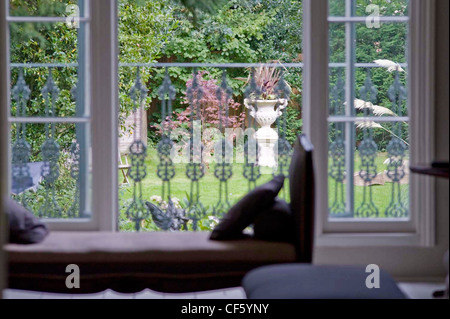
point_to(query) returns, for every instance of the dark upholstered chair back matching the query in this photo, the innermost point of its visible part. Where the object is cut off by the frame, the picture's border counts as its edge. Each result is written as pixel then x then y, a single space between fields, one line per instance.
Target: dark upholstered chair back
pixel 301 185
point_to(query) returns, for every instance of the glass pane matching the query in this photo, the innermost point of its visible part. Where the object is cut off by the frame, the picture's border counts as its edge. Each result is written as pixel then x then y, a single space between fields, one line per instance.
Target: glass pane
pixel 50 154
pixel 62 82
pixel 382 8
pixel 337 91
pixel 381 176
pixel 47 172
pixel 381 172
pixel 46 8
pixel 389 42
pixel 337 193
pixel 43 43
pixel 337 42
pixel 368 158
pixel 388 91
pixel 391 8
pixel 336 8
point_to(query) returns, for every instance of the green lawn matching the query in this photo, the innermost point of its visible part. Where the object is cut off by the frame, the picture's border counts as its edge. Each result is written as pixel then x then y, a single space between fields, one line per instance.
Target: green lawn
pixel 381 194
pixel 180 184
pixel 238 186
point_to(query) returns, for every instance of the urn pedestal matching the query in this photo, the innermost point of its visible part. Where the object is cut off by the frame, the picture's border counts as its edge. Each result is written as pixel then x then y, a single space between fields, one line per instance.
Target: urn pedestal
pixel 266 112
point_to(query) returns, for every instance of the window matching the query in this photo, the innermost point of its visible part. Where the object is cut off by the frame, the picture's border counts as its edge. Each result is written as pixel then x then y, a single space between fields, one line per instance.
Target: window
pixel 50 114
pixel 368 116
pixel 350 215
pixel 333 133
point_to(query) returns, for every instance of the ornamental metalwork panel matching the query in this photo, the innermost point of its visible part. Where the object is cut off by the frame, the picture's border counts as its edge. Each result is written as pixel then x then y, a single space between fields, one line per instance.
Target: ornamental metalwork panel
pixel 397 152
pixel 193 157
pixel 168 216
pixel 223 170
pixel 195 168
pixel 21 150
pixel 50 152
pixel 336 170
pixel 137 211
pixel 284 149
pixel 252 171
pixel 46 174
pixel 368 151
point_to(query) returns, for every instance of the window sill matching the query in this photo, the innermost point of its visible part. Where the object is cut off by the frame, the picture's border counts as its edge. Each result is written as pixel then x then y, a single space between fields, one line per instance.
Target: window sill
pixel 349 240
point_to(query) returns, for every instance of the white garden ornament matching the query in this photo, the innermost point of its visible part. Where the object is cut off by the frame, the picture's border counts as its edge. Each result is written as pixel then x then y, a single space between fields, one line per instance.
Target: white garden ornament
pixel 389 65
pixel 266 113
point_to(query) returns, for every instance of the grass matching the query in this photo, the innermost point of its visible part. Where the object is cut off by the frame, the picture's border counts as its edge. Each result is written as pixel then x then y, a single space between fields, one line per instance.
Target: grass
pixel 381 194
pixel 180 186
pixel 238 185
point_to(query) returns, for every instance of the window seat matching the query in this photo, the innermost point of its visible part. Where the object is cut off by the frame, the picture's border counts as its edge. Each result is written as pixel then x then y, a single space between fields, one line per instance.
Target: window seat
pixel 166 262
pixel 130 262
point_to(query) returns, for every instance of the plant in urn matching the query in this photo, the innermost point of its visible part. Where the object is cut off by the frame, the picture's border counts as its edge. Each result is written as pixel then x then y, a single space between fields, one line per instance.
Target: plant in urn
pixel 265 108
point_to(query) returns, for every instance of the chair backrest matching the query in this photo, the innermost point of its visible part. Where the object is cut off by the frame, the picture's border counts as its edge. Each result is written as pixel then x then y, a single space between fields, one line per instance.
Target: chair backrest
pixel 301 185
pixel 123 159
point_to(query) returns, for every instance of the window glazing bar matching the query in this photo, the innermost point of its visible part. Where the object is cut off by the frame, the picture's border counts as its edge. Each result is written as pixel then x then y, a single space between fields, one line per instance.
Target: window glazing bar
pixel 44 19
pixel 43 65
pixel 363 19
pixel 213 65
pixel 361 65
pixel 199 65
pixel 44 120
pixel 83 111
pixel 345 119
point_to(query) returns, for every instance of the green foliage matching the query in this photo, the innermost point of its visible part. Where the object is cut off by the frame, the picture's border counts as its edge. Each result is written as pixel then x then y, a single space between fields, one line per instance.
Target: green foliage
pixel 23 32
pixel 225 37
pixel 387 42
pixel 283 36
pixel 193 6
pixel 144 30
pixel 294 124
pixel 230 35
pixel 145 27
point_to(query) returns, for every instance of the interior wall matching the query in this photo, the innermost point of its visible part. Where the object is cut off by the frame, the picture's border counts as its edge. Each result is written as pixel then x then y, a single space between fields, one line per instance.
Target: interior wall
pixel 412 263
pixel 442 117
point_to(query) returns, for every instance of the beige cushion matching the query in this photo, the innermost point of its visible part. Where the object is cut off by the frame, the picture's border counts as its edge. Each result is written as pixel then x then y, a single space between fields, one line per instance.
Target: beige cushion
pixel 128 262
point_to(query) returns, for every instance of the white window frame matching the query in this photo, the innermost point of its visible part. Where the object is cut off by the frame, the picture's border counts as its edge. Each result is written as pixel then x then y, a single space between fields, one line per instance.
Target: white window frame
pixel 419 229
pixel 103 68
pixel 101 65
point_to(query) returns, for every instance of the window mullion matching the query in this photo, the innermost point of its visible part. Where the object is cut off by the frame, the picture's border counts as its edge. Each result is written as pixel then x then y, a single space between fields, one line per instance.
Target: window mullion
pixel 104 101
pixel 82 110
pixel 315 98
pixel 350 33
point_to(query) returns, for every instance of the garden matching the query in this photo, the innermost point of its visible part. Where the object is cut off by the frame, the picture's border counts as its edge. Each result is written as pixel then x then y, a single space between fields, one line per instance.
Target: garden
pixel 234 31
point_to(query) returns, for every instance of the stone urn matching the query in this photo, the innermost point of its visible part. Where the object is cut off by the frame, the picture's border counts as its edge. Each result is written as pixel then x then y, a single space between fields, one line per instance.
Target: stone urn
pixel 266 112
